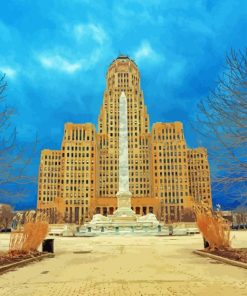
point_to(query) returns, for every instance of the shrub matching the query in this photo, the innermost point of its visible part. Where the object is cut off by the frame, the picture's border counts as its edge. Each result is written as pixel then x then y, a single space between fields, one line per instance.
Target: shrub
pixel 33 232
pixel 214 228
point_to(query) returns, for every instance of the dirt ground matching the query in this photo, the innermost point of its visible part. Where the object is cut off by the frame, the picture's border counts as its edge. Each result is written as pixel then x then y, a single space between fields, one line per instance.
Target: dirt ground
pixel 239 255
pixel 126 266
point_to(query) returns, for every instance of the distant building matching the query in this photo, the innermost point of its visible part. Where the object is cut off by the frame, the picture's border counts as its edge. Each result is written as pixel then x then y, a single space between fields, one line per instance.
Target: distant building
pixel 165 176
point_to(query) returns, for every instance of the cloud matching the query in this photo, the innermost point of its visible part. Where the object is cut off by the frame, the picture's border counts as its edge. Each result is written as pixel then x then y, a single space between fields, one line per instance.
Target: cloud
pixel 82 55
pixel 92 30
pixel 59 63
pixel 145 51
pixel 99 34
pixel 9 71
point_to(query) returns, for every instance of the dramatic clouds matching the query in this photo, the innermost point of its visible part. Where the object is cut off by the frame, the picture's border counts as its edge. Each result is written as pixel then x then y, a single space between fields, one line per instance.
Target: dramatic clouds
pixel 146 53
pixel 92 30
pixel 10 72
pixel 58 63
pixel 55 54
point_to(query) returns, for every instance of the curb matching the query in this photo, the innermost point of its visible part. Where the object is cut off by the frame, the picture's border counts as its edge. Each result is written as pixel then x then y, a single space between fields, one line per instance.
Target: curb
pixel 24 262
pixel 221 259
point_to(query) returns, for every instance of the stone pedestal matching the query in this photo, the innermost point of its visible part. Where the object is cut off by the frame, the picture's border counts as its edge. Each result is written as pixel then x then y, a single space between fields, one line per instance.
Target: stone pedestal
pixel 124 206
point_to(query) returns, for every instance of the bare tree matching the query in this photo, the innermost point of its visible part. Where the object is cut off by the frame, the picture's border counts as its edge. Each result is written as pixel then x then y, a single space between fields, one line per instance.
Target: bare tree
pixel 223 121
pixel 13 160
pixel 6 216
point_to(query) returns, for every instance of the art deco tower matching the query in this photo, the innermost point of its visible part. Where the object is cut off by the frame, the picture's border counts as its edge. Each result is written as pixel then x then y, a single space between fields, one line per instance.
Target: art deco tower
pixel 123 76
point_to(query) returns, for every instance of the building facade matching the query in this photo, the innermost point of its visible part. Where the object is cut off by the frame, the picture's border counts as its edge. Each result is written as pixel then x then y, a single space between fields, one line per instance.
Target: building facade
pixel 165 176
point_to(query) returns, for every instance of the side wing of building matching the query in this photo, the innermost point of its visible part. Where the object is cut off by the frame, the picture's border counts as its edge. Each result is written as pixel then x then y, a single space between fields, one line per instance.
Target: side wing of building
pixel 199 175
pixel 170 170
pixel 49 183
pixel 78 171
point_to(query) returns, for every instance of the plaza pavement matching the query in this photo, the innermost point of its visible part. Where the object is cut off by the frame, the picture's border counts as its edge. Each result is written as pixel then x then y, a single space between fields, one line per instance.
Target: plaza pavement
pixel 126 266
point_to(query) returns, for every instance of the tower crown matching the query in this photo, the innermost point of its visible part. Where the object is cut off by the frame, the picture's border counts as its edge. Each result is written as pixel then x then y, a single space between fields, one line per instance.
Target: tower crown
pixel 123 63
pixel 124 57
pixel 122 73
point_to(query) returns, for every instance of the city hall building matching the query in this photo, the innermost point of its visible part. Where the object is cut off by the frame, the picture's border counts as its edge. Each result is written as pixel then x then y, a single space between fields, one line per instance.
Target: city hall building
pixel 165 176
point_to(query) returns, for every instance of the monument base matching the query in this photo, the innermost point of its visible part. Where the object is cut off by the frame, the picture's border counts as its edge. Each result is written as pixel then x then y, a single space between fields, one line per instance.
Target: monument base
pixel 124 199
pixel 124 218
pixel 122 222
pixel 125 213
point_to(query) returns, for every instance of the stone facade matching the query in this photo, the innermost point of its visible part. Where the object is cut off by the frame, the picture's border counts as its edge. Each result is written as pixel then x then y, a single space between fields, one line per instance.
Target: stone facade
pixel 165 176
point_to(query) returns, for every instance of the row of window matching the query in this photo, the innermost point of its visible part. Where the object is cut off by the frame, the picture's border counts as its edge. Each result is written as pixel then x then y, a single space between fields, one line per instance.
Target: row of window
pixel 72 195
pixel 170 137
pixel 49 186
pixel 78 188
pixel 170 180
pixel 79 154
pixel 79 148
pixel 198 167
pixel 79 168
pixel 170 160
pixel 166 131
pixel 51 163
pixel 77 202
pixel 193 155
pixel 169 147
pixel 136 192
pixel 199 179
pixel 52 175
pixel 170 154
pixel 171 194
pixel 172 187
pixel 50 181
pixel 171 167
pixel 53 157
pixel 169 174
pixel 51 169
pixel 49 192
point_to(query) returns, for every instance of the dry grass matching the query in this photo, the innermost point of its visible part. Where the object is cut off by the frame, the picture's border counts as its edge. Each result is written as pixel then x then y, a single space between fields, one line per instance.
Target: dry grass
pixel 28 238
pixel 214 228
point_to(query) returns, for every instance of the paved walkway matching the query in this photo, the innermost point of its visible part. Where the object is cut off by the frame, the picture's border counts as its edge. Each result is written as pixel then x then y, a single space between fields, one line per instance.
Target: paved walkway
pixel 126 266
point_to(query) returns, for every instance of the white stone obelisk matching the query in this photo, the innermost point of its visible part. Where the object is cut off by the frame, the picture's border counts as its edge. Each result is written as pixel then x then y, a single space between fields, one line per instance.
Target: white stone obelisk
pixel 123 195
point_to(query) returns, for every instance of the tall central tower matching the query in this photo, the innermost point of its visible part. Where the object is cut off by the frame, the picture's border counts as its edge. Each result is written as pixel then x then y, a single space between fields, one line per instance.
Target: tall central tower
pixel 123 76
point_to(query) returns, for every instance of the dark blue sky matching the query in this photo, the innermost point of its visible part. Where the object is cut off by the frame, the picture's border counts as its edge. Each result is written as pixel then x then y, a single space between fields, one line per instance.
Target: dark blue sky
pixel 55 54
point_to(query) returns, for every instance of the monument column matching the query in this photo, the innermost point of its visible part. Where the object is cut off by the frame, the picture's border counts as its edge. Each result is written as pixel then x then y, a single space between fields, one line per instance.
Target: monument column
pixel 123 195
